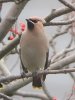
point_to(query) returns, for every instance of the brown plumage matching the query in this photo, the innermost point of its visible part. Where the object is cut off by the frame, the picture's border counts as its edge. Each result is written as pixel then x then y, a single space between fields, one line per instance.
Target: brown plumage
pixel 34 49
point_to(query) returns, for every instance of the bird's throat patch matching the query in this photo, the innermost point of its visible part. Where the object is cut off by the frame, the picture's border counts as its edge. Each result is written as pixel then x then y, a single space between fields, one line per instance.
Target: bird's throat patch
pixel 30 25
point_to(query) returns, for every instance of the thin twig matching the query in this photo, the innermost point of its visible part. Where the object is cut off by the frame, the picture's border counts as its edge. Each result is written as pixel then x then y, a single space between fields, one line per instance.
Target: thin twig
pixel 71 92
pixel 47 71
pixel 63 52
pixel 45 90
pixel 59 34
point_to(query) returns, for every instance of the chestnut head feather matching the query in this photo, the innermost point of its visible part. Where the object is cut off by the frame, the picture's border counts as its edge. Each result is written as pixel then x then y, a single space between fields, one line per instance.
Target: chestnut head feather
pixel 35 19
pixel 32 21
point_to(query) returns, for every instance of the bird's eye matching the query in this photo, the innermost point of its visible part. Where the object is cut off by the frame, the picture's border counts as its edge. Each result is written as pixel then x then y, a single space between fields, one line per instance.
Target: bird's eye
pixel 35 21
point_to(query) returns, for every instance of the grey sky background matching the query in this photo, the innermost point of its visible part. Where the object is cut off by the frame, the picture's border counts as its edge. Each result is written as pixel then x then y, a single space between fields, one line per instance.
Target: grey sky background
pixel 58 85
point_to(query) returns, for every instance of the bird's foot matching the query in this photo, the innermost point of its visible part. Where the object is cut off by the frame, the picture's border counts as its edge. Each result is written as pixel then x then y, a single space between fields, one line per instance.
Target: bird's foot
pixel 23 75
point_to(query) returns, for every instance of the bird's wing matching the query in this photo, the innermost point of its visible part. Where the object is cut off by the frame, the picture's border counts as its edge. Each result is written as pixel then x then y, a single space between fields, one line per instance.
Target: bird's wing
pixel 22 66
pixel 46 64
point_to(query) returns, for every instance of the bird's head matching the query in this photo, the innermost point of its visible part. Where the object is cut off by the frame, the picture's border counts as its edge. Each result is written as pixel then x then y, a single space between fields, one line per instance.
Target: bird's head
pixel 34 21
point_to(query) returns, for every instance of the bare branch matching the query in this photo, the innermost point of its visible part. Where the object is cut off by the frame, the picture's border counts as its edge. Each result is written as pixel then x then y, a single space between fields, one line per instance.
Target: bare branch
pixel 33 95
pixel 70 5
pixel 58 12
pixel 70 21
pixel 9 89
pixel 47 71
pixel 63 62
pixel 5 97
pixel 7 48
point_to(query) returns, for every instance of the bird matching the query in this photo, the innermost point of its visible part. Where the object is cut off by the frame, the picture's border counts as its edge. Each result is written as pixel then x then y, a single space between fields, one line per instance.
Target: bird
pixel 34 49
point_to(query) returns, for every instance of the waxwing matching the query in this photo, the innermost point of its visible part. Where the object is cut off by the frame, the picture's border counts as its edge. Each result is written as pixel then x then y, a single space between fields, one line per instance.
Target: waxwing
pixel 34 49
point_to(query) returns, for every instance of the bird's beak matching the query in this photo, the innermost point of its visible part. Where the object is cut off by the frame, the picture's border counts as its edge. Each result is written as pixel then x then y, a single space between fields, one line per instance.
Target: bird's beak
pixel 43 21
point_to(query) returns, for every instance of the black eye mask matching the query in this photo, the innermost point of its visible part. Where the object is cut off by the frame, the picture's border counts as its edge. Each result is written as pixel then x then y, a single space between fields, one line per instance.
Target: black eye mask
pixel 30 24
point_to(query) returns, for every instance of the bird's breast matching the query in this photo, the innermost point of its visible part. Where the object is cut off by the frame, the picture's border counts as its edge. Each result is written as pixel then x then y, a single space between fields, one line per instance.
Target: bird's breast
pixel 33 57
pixel 33 52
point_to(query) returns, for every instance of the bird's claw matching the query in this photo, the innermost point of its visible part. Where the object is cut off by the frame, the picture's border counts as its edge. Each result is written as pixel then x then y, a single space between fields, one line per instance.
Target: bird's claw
pixel 23 75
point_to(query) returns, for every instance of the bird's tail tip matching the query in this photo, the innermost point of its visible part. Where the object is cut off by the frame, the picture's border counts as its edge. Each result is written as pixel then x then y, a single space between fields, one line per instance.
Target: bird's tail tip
pixel 1 85
pixel 37 82
pixel 37 88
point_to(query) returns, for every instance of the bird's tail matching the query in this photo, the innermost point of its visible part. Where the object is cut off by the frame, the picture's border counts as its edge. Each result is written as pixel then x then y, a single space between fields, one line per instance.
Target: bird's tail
pixel 37 82
pixel 1 85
